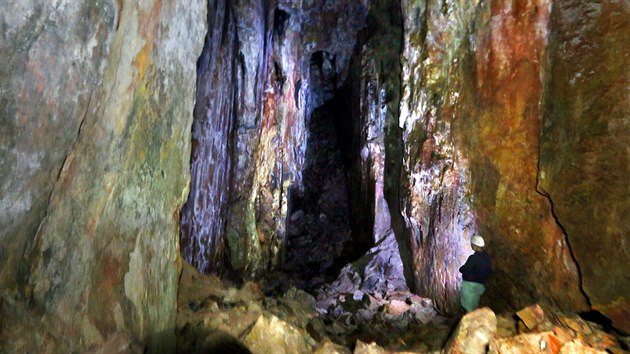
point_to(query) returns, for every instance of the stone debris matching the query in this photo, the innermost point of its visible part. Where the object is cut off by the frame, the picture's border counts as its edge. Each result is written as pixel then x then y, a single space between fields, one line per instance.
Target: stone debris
pixel 473 333
pixel 328 347
pixel 554 332
pixel 368 348
pixel 345 317
pixel 26 330
pixel 533 317
pixel 214 314
pixel 577 346
pixel 542 342
pixel 273 335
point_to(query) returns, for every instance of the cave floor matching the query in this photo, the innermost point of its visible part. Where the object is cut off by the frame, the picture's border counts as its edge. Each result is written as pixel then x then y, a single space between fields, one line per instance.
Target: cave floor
pixel 215 316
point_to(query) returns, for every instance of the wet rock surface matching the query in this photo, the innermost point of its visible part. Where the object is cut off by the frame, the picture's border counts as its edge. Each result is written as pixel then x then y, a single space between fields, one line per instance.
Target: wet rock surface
pixel 496 95
pixel 274 94
pixel 505 118
pixel 455 109
pixel 203 215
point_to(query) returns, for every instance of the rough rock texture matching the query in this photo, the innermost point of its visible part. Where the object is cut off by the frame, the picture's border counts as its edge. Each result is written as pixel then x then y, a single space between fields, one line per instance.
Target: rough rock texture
pixel 371 94
pixel 216 317
pixel 433 183
pixel 468 142
pixel 203 216
pixel 97 102
pixel 43 102
pixel 505 118
pixel 318 229
pixel 212 314
pixel 273 335
pixel 473 333
pixel 273 95
pixel 545 342
pixel 514 118
pixel 585 161
pixel 492 130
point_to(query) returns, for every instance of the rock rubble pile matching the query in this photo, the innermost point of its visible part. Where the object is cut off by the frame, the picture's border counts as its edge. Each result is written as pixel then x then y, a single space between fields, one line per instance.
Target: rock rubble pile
pixel 215 316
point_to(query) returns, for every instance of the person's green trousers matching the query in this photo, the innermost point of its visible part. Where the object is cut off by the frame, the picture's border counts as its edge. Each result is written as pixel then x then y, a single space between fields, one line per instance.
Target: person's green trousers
pixel 470 294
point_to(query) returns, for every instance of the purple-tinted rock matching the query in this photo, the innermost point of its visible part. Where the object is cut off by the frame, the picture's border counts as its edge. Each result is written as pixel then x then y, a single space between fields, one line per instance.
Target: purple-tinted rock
pixel 203 242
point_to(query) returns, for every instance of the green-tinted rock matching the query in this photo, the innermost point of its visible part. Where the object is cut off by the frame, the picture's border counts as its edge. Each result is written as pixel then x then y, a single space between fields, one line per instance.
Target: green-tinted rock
pixel 102 158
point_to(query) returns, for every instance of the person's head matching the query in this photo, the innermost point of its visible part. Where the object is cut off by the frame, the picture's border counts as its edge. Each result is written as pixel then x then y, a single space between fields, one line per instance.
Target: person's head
pixel 477 243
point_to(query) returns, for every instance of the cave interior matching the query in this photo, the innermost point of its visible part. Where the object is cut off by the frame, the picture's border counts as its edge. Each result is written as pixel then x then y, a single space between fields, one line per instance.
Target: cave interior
pixel 269 176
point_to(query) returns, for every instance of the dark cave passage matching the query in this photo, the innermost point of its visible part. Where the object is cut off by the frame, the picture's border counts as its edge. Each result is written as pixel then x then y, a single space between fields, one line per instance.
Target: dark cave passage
pixel 320 235
pixel 319 229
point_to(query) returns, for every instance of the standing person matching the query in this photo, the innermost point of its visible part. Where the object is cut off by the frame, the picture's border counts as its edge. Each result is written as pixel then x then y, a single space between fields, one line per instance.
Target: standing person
pixel 475 273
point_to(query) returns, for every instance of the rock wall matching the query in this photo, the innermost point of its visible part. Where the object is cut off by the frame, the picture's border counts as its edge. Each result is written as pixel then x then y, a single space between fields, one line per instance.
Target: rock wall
pixel 203 243
pixel 97 102
pixel 520 220
pixel 376 87
pixel 436 197
pixel 272 104
pixel 471 113
pixel 514 118
pixel 504 118
pixel 584 156
pixel 449 133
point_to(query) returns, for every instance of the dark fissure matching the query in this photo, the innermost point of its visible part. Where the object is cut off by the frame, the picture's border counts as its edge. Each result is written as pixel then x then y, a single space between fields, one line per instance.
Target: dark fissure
pixel 320 234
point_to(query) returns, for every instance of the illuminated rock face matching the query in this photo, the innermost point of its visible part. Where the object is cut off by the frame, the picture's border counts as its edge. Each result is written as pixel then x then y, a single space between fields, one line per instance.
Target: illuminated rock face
pixel 96 101
pixel 461 111
pixel 471 115
pixel 203 216
pixel 514 118
pixel 504 118
pixel 435 180
pixel 245 172
pixel 585 156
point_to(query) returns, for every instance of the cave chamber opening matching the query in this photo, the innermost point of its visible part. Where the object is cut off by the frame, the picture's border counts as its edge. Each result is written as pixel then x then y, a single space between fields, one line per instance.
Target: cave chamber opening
pixel 323 233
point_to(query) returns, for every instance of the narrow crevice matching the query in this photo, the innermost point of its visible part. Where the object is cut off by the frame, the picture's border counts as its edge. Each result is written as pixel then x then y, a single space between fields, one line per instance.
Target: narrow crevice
pixel 318 226
pixel 544 193
pixel 280 23
pixel 118 4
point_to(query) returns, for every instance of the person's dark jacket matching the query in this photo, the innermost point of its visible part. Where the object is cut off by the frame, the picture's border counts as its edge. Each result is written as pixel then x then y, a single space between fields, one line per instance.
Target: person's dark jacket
pixel 477 268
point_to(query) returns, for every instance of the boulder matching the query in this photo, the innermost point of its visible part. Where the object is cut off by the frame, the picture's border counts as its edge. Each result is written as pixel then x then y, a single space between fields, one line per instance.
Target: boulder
pixel 544 342
pixel 473 333
pixel 424 314
pixel 533 318
pixel 397 307
pixel 365 348
pixel 506 326
pixel 328 347
pixel 578 347
pixel 273 335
